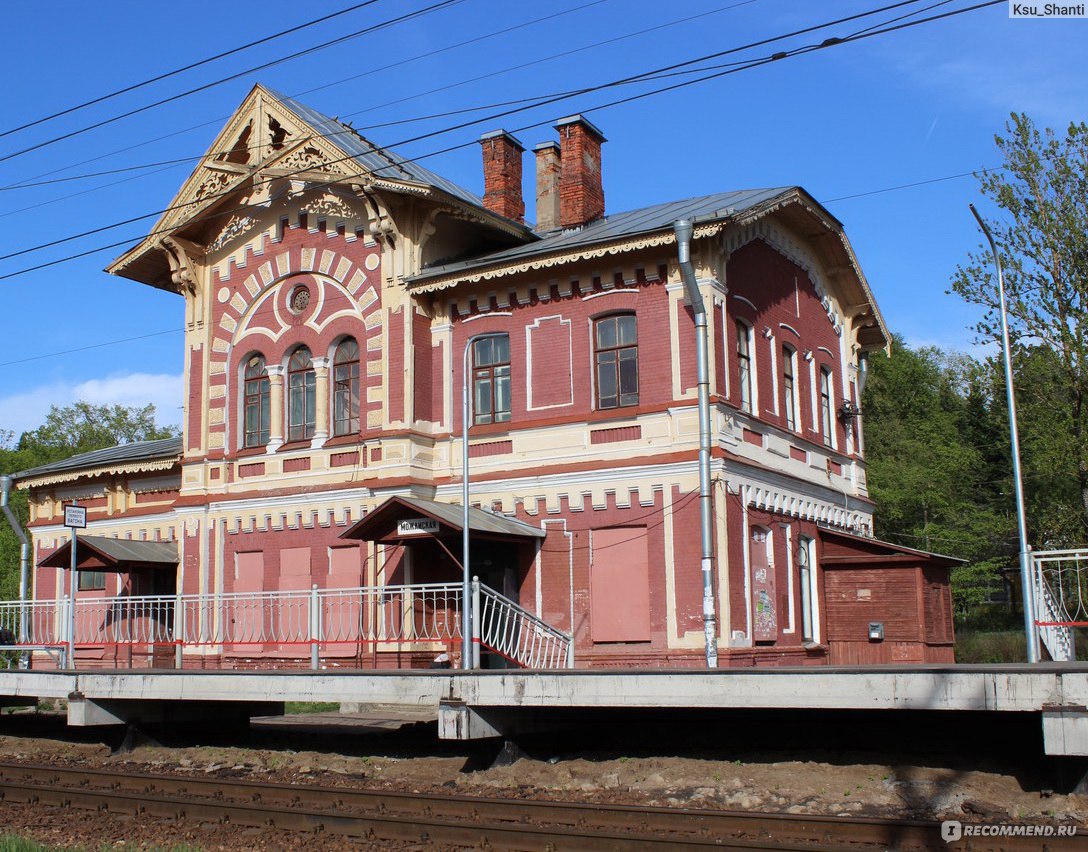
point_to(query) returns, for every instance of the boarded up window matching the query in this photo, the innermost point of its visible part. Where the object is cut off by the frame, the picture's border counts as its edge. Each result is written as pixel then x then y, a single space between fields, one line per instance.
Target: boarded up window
pixel 344 567
pixel 249 571
pixel 619 580
pixel 295 568
pixel 764 603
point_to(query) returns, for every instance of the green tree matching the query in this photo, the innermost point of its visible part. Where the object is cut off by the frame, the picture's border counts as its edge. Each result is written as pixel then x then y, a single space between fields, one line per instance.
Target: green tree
pixel 1041 230
pixel 73 429
pixel 929 421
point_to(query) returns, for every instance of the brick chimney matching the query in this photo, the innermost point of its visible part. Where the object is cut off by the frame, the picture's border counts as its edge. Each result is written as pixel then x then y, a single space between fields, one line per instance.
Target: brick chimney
pixel 502 174
pixel 548 170
pixel 581 193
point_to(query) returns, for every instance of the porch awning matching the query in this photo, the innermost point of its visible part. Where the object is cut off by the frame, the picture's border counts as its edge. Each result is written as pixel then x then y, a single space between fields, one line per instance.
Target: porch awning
pixel 99 553
pixel 840 548
pixel 405 519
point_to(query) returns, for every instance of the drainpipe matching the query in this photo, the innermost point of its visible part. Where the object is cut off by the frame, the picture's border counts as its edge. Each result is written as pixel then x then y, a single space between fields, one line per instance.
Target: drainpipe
pixel 24 546
pixel 693 297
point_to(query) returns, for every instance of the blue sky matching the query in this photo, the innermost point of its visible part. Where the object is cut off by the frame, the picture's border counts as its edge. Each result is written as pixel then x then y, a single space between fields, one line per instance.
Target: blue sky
pixel 896 109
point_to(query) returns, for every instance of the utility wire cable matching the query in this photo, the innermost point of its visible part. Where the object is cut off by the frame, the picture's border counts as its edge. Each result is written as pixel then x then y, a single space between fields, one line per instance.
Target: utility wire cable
pixel 167 74
pixel 434 7
pixel 536 102
pixel 833 42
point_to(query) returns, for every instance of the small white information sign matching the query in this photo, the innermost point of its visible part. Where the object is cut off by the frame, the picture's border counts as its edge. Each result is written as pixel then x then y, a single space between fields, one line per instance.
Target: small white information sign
pixel 417 526
pixel 75 516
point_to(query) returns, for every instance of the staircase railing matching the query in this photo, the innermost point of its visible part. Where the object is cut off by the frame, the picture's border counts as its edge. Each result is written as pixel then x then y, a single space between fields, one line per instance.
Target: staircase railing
pixel 503 627
pixel 1053 619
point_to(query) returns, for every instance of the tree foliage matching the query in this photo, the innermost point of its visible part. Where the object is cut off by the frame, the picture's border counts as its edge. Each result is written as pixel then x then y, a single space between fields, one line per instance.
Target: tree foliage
pixel 1042 234
pixel 67 431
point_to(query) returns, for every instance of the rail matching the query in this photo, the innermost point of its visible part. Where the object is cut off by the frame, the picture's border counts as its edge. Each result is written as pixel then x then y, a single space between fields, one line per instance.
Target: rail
pixel 345 624
pixel 1060 581
pixel 516 634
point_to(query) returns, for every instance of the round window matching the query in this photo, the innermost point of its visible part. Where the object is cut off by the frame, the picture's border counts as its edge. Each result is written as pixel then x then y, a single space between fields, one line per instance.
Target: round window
pixel 299 300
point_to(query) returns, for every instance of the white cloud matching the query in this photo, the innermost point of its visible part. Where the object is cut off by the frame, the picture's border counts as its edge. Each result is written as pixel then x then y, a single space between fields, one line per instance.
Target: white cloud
pixel 27 409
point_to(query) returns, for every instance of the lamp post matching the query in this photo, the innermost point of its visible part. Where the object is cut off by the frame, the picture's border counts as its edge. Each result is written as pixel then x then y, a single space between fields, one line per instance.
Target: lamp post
pixel 1010 395
pixel 466 578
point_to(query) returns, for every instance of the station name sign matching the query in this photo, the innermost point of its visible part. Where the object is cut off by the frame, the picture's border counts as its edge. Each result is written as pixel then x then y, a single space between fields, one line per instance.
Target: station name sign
pixel 75 517
pixel 417 526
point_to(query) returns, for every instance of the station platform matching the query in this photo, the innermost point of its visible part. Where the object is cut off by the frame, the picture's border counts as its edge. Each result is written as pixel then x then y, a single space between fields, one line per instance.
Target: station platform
pixel 478 704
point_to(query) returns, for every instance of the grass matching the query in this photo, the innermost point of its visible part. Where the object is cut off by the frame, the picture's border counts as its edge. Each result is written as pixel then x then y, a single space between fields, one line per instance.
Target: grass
pixel 293 707
pixel 1000 646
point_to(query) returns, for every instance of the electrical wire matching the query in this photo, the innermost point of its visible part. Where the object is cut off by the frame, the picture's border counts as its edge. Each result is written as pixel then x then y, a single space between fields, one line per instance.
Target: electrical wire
pixel 34 182
pixel 536 103
pixel 166 75
pixel 434 7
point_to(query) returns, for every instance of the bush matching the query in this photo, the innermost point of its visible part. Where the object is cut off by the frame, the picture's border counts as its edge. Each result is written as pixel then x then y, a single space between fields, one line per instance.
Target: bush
pixel 1006 646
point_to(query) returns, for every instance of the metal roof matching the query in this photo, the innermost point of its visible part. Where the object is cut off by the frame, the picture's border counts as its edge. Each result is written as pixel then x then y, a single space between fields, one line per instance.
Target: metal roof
pixel 618 225
pixel 450 514
pixel 135 451
pixel 379 161
pixel 118 551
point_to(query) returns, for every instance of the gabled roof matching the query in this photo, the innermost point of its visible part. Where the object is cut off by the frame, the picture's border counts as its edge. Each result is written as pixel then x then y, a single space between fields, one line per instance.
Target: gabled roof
pixel 653 226
pixel 449 515
pixel 378 161
pixel 95 552
pixel 615 226
pixel 324 150
pixel 123 454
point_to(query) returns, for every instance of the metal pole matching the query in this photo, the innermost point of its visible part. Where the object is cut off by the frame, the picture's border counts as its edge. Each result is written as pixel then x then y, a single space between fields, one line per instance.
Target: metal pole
pixel 72 605
pixel 466 579
pixel 684 230
pixel 1026 579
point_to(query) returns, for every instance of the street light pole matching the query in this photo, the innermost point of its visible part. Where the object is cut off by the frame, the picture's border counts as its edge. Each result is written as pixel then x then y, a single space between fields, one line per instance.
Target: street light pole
pixel 1026 580
pixel 466 578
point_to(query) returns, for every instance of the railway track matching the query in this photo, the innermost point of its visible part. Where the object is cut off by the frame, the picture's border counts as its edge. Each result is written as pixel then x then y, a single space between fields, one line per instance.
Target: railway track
pixel 460 821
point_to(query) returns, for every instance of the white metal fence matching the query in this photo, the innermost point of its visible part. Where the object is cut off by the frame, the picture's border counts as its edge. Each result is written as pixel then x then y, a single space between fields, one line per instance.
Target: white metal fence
pixel 344 623
pixel 516 634
pixel 1060 587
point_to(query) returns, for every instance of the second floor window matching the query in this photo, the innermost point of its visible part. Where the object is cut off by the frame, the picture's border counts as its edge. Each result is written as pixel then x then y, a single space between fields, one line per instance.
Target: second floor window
pixel 301 395
pixel 491 380
pixel 826 421
pixel 789 386
pixel 345 388
pixel 744 366
pixel 616 351
pixel 258 410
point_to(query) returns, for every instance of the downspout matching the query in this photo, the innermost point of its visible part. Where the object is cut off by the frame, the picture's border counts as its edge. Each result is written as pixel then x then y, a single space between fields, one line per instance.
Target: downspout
pixel 24 546
pixel 694 298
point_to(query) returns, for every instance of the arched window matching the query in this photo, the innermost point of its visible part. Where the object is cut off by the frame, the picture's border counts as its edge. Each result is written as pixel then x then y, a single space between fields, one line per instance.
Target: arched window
pixel 301 395
pixel 615 341
pixel 744 365
pixel 804 567
pixel 258 411
pixel 789 386
pixel 491 379
pixel 345 388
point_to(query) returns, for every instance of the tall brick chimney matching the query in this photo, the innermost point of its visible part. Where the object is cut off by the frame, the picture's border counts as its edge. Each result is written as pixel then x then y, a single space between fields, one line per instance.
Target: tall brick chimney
pixel 581 193
pixel 548 170
pixel 502 174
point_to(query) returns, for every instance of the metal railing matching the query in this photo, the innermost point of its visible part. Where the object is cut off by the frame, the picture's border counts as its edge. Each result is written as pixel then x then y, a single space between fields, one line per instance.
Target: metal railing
pixel 1060 580
pixel 351 623
pixel 503 627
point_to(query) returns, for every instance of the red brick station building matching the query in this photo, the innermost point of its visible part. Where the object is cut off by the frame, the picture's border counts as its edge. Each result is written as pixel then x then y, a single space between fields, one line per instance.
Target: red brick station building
pixel 331 289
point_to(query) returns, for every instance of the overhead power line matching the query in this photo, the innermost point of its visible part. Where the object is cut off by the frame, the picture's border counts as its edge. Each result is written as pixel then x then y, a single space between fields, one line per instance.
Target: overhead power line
pixel 827 43
pixel 31 183
pixel 442 4
pixel 166 75
pixel 542 100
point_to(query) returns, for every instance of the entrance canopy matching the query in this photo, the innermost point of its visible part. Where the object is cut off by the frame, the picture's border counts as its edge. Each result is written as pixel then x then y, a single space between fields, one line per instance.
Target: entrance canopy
pixel 402 520
pixel 98 553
